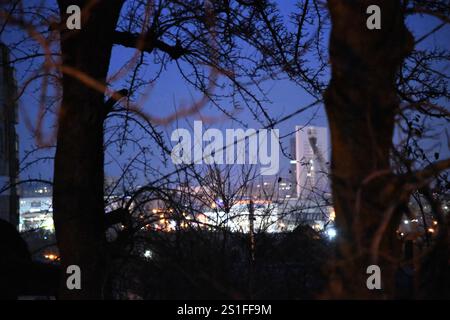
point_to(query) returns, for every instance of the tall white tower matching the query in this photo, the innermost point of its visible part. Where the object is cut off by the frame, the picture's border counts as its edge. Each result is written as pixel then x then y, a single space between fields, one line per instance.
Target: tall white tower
pixel 312 160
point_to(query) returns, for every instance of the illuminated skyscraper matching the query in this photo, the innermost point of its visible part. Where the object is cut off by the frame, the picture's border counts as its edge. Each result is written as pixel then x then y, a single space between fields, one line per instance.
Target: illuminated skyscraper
pixel 312 161
pixel 9 162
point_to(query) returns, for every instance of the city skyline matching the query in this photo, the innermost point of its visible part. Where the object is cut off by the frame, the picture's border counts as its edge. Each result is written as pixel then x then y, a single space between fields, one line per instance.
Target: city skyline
pixel 224 149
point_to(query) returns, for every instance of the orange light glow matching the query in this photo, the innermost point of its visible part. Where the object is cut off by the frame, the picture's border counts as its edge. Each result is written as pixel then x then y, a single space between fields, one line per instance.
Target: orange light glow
pixel 51 257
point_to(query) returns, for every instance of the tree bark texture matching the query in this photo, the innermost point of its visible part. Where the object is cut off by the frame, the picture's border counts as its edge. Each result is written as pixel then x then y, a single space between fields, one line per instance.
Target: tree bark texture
pixel 79 160
pixel 361 104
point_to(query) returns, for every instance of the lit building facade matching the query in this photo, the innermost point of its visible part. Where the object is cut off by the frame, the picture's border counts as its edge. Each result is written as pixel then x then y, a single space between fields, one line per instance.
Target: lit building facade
pixel 36 213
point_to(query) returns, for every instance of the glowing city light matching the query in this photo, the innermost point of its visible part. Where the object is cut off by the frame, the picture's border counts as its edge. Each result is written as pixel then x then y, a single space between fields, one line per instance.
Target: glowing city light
pixel 148 254
pixel 51 257
pixel 331 233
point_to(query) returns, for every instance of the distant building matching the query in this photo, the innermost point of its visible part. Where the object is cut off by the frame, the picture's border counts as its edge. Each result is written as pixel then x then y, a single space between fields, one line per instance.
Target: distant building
pixel 311 161
pixel 293 165
pixel 272 188
pixel 36 213
pixel 35 189
pixel 9 149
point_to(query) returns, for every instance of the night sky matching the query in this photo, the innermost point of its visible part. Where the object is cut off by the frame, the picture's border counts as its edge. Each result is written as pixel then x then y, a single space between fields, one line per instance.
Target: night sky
pixel 171 90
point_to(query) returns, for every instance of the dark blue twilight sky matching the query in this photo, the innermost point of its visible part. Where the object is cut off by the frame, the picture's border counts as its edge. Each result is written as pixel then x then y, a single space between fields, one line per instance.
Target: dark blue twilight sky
pixel 170 89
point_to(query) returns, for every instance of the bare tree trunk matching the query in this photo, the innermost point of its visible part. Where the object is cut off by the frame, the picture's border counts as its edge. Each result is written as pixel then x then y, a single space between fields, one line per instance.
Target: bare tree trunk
pixel 79 160
pixel 361 104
